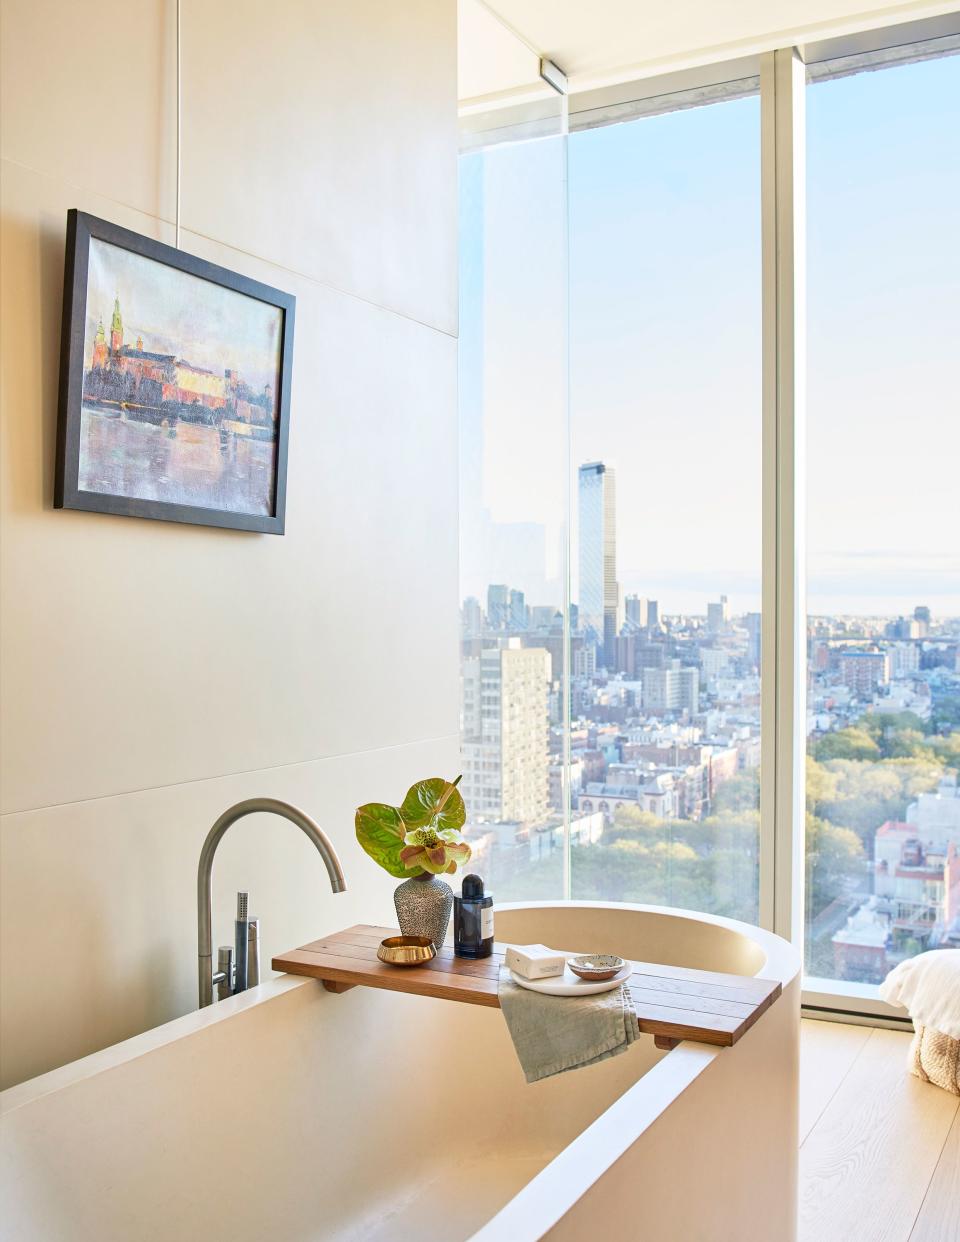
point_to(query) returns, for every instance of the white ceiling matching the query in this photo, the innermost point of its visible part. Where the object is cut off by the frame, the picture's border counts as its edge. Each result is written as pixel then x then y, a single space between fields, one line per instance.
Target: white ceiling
pixel 600 42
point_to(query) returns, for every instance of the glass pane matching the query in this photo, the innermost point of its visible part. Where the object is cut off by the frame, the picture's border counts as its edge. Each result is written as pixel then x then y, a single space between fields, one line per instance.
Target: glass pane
pixel 883 811
pixel 512 511
pixel 665 405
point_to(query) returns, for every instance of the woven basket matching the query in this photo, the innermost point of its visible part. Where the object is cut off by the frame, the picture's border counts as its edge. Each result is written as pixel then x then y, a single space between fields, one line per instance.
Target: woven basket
pixel 935 1058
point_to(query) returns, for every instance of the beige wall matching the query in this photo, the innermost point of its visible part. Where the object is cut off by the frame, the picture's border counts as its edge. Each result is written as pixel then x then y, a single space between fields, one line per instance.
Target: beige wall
pixel 154 673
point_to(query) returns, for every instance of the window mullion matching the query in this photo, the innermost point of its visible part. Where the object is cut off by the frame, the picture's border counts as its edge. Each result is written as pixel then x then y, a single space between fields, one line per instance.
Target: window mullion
pixel 783 671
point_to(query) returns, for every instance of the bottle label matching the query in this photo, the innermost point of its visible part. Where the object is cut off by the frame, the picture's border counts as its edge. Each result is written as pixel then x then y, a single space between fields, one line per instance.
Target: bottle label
pixel 486 922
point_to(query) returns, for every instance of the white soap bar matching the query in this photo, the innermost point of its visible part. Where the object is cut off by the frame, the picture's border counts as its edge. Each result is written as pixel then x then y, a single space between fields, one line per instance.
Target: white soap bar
pixel 535 961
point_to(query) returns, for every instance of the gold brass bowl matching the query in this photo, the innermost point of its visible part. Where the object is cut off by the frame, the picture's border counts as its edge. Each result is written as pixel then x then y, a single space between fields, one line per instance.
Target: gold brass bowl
pixel 406 950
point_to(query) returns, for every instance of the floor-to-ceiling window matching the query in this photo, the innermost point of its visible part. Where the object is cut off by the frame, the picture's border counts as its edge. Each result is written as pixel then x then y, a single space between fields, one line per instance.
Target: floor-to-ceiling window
pixel 665 432
pixel 626 492
pixel 883 517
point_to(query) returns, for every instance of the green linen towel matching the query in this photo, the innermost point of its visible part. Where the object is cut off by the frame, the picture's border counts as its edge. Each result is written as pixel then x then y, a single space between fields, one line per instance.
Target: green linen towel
pixel 553 1034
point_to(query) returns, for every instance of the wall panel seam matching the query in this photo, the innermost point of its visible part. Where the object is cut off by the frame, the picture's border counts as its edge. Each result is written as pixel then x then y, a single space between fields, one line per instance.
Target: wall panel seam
pixel 222 776
pixel 187 231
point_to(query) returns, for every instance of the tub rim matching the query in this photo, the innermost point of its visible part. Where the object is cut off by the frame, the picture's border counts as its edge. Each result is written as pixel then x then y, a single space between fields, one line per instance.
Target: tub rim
pixel 33 1089
pixel 780 957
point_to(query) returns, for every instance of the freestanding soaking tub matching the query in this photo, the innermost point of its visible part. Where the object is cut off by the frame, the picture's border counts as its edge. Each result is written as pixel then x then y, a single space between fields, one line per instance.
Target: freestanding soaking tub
pixel 290 1113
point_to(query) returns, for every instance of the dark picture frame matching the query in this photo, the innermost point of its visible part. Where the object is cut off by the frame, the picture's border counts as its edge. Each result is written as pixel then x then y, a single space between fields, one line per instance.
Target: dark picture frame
pixel 206 416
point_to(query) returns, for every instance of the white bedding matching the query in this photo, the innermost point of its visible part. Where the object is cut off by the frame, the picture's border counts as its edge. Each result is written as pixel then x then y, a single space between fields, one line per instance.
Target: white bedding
pixel 928 987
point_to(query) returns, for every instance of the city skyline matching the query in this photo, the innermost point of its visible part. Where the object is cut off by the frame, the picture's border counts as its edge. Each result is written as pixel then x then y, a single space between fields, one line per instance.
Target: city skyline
pixel 646 774
pixel 604 593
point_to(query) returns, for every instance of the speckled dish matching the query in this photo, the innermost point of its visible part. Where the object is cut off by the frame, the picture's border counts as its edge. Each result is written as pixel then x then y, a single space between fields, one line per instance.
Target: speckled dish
pixel 596 966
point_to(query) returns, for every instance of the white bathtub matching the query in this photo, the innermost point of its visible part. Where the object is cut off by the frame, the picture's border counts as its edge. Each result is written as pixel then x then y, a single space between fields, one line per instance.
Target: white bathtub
pixel 291 1113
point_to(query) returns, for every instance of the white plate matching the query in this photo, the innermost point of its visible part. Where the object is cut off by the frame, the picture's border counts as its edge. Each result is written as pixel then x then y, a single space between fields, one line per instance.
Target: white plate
pixel 569 984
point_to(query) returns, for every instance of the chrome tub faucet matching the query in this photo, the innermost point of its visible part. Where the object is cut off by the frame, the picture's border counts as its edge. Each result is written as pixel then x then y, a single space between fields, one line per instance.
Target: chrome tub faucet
pixel 247 954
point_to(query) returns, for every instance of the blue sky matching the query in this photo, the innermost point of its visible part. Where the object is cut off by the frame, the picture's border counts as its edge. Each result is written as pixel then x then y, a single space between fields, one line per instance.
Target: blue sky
pixel 664 347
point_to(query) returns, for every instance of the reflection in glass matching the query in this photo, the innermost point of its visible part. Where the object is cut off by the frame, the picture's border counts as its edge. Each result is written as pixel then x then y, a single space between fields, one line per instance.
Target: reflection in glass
pixel 513 520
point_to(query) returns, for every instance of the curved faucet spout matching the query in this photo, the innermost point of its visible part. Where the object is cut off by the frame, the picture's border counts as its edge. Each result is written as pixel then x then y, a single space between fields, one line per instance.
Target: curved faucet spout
pixel 252 806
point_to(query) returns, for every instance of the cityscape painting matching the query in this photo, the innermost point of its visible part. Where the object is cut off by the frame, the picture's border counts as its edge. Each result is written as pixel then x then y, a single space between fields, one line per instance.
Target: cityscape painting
pixel 174 397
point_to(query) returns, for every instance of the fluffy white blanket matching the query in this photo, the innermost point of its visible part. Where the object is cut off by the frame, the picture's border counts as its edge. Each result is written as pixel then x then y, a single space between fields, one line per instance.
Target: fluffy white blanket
pixel 928 987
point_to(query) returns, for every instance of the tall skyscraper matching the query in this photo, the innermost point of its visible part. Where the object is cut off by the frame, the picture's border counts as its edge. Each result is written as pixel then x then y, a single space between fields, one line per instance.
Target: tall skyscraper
pixel 471 617
pixel 718 615
pixel 599 590
pixel 637 612
pixel 753 622
pixel 498 605
pixel 505 744
pixel 518 611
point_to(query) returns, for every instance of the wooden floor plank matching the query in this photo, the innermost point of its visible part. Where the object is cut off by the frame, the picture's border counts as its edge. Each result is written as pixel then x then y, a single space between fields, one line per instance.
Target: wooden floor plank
pixel 939 1219
pixel 827 1053
pixel 867 1162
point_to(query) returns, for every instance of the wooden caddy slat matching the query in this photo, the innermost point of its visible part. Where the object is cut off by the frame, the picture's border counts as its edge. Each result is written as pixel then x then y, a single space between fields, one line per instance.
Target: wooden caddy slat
pixel 672 1002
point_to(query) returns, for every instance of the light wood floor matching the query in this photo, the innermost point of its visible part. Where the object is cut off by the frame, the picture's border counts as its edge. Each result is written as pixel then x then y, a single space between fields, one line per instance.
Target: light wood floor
pixel 879 1149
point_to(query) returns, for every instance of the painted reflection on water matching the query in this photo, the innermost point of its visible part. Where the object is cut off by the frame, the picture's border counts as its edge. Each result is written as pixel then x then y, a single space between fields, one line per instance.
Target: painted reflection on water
pixel 184 463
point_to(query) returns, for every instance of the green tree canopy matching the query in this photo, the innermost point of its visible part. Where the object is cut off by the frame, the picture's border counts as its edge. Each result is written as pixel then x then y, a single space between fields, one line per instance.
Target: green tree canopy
pixel 852 743
pixel 835 858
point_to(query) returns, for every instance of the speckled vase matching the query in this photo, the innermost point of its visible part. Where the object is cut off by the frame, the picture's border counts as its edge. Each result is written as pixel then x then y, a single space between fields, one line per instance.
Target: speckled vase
pixel 424 905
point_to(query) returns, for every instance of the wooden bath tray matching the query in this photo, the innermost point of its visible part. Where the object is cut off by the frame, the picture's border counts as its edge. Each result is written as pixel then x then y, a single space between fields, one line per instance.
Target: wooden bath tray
pixel 672 1002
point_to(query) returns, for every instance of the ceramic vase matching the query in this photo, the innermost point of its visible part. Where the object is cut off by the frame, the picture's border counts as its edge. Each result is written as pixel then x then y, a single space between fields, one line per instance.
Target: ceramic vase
pixel 424 905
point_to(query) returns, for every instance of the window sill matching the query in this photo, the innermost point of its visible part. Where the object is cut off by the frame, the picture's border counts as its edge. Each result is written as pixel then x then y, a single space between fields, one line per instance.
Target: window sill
pixel 840 1001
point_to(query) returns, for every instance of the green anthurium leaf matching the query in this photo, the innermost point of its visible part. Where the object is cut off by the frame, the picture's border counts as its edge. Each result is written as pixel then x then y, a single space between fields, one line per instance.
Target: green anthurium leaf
pixel 434 803
pixel 380 832
pixel 431 815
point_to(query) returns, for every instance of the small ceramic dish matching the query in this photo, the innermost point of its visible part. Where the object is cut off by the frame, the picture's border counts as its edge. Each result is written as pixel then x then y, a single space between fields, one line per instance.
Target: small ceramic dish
pixel 406 950
pixel 596 966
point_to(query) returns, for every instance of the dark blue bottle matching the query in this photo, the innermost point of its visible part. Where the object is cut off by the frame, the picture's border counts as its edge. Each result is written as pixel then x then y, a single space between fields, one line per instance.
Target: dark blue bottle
pixel 472 920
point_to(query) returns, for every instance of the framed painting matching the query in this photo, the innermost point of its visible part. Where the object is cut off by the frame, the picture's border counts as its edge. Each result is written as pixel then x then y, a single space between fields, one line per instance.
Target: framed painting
pixel 174 384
